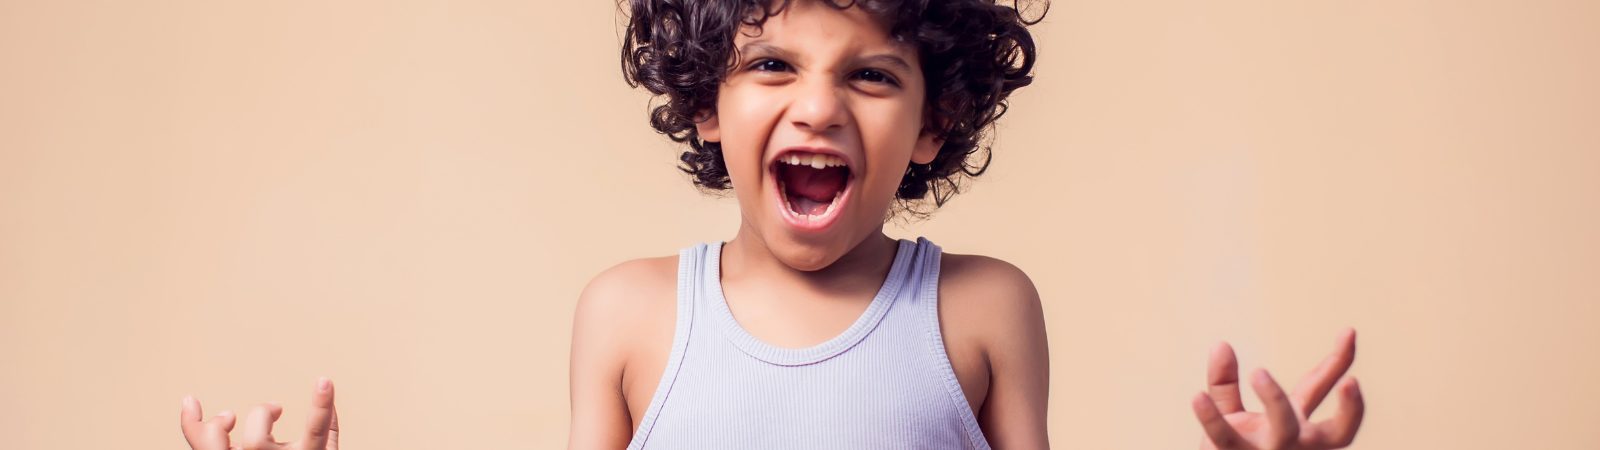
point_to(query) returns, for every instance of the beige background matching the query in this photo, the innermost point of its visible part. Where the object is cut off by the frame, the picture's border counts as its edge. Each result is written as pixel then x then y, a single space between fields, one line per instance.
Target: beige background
pixel 231 198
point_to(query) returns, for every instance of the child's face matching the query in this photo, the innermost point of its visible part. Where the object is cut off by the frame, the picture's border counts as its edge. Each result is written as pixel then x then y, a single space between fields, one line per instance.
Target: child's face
pixel 819 82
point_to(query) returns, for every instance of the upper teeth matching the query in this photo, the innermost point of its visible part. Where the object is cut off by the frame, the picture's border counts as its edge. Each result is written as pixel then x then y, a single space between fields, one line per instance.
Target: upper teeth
pixel 815 160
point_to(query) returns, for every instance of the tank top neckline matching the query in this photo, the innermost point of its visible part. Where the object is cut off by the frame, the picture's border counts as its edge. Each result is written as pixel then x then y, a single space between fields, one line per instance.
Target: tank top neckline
pixel 759 349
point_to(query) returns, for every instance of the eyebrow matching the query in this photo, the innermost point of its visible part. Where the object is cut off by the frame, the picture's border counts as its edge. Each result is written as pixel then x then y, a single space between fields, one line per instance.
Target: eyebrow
pixel 762 48
pixel 888 60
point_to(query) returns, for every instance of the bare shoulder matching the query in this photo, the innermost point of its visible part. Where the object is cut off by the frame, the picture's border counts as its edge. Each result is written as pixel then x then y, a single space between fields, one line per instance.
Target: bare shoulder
pixel 987 292
pixel 998 306
pixel 621 335
pixel 988 275
pixel 618 288
pixel 623 303
pixel 993 326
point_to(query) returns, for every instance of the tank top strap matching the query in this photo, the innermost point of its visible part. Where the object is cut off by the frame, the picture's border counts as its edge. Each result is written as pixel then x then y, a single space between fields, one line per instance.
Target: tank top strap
pixel 925 269
pixel 691 267
pixel 929 257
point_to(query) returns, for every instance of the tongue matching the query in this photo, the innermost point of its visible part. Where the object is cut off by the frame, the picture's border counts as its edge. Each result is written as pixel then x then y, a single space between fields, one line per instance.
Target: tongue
pixel 818 185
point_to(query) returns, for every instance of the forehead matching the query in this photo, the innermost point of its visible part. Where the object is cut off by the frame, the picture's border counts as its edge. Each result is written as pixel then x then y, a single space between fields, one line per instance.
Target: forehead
pixel 814 26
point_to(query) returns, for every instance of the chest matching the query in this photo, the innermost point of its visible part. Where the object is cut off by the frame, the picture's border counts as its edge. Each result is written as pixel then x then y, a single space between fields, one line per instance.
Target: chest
pixel 652 348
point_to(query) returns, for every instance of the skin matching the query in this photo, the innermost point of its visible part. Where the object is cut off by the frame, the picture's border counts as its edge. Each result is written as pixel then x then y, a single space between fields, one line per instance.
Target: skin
pixel 821 77
pixel 321 430
pixel 1285 423
pixel 834 85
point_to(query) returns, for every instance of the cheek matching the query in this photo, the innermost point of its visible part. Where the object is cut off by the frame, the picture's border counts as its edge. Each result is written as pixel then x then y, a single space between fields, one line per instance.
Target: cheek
pixel 745 124
pixel 890 134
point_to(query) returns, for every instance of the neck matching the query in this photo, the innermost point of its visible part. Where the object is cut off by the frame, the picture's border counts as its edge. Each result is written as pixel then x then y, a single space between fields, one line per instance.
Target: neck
pixel 861 268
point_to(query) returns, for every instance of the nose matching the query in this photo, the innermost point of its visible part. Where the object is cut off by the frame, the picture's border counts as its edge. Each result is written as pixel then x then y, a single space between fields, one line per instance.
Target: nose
pixel 818 107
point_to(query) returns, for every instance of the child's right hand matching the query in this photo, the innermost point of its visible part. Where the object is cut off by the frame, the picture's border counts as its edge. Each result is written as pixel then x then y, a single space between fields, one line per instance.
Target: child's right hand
pixel 322 426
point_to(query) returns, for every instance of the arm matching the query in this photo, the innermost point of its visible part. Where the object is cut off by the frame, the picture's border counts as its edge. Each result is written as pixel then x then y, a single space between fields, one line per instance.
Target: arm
pixel 1019 359
pixel 621 336
pixel 599 412
pixel 999 309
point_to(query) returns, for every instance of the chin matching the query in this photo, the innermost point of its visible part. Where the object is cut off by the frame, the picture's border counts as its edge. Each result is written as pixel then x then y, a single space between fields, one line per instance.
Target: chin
pixel 807 255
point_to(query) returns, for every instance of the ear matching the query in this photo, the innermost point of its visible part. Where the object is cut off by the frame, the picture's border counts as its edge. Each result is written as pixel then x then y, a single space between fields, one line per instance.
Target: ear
pixel 708 127
pixel 928 144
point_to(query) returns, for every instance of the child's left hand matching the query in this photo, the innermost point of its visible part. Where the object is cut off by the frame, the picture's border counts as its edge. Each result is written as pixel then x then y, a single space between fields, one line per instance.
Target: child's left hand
pixel 1286 424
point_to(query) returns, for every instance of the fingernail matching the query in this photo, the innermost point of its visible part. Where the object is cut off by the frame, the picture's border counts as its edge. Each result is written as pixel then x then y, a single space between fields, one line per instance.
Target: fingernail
pixel 322 384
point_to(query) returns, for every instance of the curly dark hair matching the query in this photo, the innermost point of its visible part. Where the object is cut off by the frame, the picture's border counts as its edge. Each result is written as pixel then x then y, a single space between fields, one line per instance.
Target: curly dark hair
pixel 973 54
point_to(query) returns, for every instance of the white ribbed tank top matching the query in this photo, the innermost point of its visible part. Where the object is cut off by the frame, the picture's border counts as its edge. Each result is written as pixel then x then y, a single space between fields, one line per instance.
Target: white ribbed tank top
pixel 885 382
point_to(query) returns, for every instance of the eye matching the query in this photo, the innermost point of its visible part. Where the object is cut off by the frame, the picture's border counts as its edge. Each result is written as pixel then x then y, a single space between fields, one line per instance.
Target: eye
pixel 770 65
pixel 876 76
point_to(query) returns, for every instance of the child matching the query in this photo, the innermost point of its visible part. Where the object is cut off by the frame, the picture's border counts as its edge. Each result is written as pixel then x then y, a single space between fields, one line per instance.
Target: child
pixel 811 328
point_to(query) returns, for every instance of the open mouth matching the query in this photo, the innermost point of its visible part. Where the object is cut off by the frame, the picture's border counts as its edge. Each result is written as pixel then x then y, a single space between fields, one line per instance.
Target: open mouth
pixel 811 186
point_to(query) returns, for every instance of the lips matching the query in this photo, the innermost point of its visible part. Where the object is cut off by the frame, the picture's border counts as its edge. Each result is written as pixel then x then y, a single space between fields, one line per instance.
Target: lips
pixel 812 185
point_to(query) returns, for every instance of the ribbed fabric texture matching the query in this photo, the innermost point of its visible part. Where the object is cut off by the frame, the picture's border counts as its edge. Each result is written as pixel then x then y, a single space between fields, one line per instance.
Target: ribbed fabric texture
pixel 885 382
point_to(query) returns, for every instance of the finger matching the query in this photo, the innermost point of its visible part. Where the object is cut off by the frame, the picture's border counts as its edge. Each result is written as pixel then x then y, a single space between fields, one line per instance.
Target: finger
pixel 1280 413
pixel 208 434
pixel 189 415
pixel 1315 386
pixel 333 427
pixel 195 431
pixel 190 412
pixel 1217 428
pixel 224 421
pixel 320 420
pixel 258 426
pixel 1340 431
pixel 1222 379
